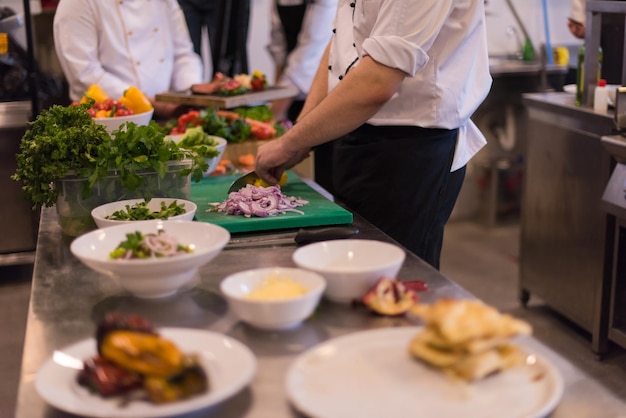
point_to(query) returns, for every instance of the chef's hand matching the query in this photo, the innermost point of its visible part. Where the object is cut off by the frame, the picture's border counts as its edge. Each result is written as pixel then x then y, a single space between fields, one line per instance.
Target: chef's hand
pixel 274 157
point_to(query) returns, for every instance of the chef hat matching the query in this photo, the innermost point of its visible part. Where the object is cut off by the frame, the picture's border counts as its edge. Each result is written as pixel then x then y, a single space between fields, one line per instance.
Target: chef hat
pixel 578 12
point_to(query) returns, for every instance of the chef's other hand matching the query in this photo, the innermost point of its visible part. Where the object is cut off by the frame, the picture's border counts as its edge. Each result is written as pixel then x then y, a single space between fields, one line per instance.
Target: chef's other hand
pixel 274 157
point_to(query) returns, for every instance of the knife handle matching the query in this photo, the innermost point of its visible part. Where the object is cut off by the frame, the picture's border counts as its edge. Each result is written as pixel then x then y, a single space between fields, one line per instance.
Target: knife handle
pixel 308 236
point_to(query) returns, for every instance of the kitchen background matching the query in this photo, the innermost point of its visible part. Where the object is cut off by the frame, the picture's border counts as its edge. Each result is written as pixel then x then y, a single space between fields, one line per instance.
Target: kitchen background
pixel 492 189
pixel 505 35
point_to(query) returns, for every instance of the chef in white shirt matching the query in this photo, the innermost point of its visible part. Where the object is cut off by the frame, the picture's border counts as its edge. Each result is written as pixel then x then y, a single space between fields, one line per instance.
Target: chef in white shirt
pixel 395 90
pixel 119 43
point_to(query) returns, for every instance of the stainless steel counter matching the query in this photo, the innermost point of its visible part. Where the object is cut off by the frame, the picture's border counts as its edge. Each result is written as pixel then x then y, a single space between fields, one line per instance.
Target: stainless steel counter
pixel 67 298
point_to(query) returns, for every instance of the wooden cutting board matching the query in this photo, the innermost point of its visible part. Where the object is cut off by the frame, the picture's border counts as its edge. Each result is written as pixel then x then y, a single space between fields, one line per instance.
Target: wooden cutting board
pixel 319 211
pixel 227 102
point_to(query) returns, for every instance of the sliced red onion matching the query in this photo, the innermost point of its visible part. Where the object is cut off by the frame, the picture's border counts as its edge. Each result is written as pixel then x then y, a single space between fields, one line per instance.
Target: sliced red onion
pixel 259 201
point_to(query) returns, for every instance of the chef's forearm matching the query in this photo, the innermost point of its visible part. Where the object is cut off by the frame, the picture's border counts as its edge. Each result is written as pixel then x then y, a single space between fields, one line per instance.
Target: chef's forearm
pixel 356 99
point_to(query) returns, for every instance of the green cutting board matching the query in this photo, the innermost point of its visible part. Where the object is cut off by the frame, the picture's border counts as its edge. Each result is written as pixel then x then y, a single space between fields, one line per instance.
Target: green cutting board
pixel 319 211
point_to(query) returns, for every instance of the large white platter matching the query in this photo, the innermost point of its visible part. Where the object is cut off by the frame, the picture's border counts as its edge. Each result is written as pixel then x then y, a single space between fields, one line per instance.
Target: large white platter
pixel 371 374
pixel 229 364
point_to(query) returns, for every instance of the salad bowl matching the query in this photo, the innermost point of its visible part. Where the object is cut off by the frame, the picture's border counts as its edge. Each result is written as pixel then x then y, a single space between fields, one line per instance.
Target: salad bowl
pixel 135 210
pixel 177 249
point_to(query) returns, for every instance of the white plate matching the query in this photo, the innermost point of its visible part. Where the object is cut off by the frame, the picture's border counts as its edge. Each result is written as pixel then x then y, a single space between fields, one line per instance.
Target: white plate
pixel 229 364
pixel 371 374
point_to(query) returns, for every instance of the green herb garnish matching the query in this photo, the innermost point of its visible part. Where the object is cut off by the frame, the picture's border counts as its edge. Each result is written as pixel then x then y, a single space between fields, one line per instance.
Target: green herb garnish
pixel 141 212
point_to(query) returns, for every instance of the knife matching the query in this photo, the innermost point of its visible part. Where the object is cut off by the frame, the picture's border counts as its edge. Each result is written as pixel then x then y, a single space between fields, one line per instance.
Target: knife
pixel 242 181
pixel 303 236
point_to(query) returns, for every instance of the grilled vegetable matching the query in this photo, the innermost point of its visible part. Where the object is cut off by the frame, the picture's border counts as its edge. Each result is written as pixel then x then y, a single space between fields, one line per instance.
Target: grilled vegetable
pixel 108 379
pixel 142 353
pixel 190 381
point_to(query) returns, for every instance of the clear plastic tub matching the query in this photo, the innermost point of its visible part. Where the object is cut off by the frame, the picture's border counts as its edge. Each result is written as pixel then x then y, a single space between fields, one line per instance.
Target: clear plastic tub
pixel 74 212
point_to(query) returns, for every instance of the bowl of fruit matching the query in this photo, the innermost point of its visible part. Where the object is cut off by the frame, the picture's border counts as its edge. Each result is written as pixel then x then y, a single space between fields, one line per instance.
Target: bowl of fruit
pixel 133 106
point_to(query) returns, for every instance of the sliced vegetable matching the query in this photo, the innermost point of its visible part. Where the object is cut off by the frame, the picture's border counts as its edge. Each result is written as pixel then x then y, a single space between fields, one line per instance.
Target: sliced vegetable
pixel 259 201
pixel 138 246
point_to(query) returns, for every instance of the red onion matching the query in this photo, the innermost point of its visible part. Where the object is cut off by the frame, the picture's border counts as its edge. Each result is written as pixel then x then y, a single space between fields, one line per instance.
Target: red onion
pixel 258 201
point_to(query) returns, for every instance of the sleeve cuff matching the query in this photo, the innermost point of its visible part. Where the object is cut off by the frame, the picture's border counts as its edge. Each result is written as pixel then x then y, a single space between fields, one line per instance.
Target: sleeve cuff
pixel 396 52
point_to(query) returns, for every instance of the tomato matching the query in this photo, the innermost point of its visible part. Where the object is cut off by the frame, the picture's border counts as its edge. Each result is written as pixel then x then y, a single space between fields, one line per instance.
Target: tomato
pixel 107 104
pixel 92 112
pixel 257 84
pixel 191 118
pixel 261 132
pixel 122 111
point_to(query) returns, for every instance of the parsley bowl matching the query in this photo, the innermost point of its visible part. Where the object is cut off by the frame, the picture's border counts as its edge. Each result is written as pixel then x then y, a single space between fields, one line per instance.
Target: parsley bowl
pixel 174 252
pixel 134 210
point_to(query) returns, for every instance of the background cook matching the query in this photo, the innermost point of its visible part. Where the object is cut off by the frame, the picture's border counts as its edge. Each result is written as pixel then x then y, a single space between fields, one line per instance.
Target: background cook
pixel 116 44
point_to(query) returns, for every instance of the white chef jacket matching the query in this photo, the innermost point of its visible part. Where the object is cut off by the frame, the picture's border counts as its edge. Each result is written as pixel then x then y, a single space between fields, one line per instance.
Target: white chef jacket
pixel 315 33
pixel 440 44
pixel 119 43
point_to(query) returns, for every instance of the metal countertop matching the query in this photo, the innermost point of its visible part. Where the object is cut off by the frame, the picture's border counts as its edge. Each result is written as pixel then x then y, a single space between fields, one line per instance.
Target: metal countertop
pixel 67 298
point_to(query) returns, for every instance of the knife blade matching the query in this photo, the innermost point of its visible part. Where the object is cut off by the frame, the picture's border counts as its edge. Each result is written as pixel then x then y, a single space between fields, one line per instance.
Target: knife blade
pixel 241 182
pixel 303 236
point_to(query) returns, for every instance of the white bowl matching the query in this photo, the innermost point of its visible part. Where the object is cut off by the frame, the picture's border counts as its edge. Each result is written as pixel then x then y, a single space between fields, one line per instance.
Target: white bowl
pixel 213 162
pixel 114 123
pixel 157 277
pixel 100 213
pixel 277 314
pixel 350 266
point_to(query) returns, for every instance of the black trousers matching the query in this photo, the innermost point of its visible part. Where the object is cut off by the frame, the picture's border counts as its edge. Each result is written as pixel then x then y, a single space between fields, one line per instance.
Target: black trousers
pixel 398 178
pixel 227 23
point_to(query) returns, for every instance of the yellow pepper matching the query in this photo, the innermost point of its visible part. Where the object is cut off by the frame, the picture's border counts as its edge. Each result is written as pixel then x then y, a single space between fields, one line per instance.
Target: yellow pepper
pixel 135 100
pixel 143 353
pixel 94 92
pixel 263 183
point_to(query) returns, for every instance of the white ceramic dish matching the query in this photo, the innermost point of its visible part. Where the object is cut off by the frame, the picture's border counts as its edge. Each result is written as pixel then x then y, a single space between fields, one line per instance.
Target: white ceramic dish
pixel 213 162
pixel 100 213
pixel 155 277
pixel 272 314
pixel 229 364
pixel 370 374
pixel 350 266
pixel 114 123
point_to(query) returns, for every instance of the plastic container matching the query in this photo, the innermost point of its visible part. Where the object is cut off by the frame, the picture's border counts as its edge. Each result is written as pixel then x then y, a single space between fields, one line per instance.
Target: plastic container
pixel 74 212
pixel 601 97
